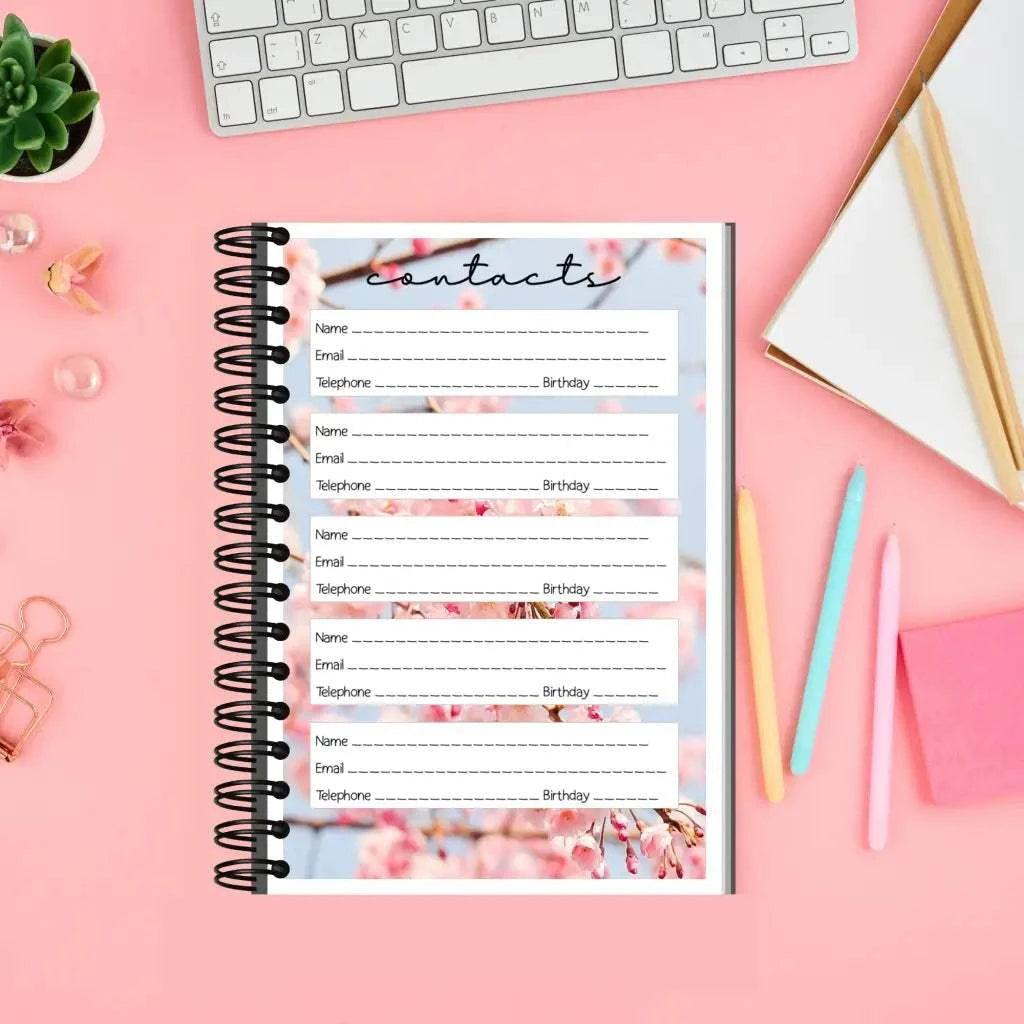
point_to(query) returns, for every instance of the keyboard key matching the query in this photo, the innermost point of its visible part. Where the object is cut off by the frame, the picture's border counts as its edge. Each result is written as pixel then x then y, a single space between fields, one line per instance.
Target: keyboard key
pixel 786 49
pixel 299 12
pixel 346 8
pixel 739 54
pixel 460 30
pixel 284 50
pixel 389 6
pixel 784 28
pixel 592 15
pixel 372 39
pixel 725 8
pixel 323 93
pixel 279 98
pixel 770 6
pixel 647 53
pixel 680 10
pixel 416 35
pixel 373 86
pixel 505 24
pixel 238 15
pixel 426 4
pixel 230 57
pixel 697 48
pixel 235 104
pixel 517 69
pixel 830 42
pixel 636 13
pixel 548 19
pixel 328 45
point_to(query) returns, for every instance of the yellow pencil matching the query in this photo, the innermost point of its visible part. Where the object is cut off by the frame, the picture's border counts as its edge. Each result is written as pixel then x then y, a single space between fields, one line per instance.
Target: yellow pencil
pixel 759 641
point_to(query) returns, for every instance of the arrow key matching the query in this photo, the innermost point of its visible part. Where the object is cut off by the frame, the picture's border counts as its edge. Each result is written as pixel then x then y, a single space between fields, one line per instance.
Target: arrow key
pixel 230 57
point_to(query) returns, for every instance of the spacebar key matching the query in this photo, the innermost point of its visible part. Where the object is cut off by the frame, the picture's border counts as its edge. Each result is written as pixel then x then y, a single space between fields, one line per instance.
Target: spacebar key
pixel 516 70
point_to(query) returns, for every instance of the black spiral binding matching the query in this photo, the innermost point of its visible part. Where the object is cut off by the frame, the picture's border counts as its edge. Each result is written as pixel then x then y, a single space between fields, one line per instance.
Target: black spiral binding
pixel 247 442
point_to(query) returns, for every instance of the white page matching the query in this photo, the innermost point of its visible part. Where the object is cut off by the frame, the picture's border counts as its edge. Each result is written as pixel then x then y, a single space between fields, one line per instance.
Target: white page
pixel 867 315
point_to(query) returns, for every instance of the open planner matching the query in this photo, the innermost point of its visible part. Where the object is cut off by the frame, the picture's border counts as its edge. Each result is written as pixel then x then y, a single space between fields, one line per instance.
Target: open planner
pixel 868 318
pixel 477 507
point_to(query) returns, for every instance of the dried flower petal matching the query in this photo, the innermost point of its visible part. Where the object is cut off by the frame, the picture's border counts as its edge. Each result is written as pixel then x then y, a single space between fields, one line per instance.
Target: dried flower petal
pixel 19 434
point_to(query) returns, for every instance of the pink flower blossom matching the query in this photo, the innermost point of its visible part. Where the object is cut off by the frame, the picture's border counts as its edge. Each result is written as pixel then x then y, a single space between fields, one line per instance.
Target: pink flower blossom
pixel 586 854
pixel 632 862
pixel 388 852
pixel 609 266
pixel 654 840
pixel 569 821
pixel 19 433
pixel 471 298
pixel 422 246
pixel 389 272
pixel 679 250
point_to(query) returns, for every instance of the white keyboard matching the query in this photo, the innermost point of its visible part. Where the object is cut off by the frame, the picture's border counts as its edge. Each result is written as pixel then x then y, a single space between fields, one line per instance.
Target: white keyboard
pixel 274 64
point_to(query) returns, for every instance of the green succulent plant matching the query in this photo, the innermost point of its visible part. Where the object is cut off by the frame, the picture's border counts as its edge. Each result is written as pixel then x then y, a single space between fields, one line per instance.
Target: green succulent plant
pixel 37 101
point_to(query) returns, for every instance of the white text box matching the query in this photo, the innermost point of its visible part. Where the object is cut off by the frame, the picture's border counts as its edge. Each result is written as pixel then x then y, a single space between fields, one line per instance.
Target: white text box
pixel 494 764
pixel 525 455
pixel 494 558
pixel 494 661
pixel 494 352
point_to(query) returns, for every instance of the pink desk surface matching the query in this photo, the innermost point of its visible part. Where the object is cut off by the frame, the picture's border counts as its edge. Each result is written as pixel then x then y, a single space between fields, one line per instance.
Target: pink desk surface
pixel 107 910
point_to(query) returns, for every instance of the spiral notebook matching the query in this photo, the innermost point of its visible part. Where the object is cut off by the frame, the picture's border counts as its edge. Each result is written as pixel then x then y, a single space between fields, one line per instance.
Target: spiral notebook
pixel 477 506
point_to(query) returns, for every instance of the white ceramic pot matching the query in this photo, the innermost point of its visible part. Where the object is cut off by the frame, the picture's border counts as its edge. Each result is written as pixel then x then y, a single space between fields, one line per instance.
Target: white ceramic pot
pixel 85 154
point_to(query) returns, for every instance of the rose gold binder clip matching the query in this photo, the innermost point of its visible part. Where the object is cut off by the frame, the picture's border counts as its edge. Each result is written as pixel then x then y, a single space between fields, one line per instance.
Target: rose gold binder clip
pixel 24 699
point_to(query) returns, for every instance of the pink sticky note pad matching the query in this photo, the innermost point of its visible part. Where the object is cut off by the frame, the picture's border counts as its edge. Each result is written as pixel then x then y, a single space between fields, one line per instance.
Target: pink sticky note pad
pixel 967 687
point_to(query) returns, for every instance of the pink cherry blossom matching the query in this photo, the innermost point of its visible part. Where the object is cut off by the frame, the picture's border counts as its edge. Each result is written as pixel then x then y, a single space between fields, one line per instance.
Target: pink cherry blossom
pixel 471 298
pixel 390 272
pixel 569 821
pixel 632 862
pixel 388 852
pixel 679 250
pixel 422 246
pixel 609 266
pixel 655 840
pixel 586 854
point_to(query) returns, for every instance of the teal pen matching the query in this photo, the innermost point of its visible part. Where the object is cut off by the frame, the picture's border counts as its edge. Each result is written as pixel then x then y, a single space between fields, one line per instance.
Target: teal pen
pixel 828 623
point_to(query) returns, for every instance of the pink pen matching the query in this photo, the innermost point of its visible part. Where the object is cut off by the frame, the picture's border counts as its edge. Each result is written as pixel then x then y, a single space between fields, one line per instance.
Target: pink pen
pixel 885 695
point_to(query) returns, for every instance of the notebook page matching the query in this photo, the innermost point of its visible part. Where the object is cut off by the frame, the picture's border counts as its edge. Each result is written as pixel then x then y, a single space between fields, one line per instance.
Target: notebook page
pixel 508 518
pixel 867 315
